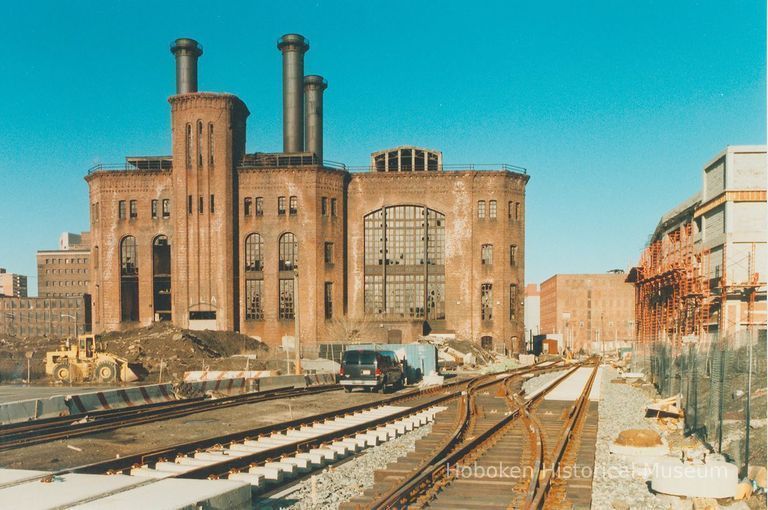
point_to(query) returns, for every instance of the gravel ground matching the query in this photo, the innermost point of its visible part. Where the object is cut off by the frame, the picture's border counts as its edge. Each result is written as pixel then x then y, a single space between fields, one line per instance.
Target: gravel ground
pixel 621 407
pixel 131 440
pixel 534 383
pixel 334 485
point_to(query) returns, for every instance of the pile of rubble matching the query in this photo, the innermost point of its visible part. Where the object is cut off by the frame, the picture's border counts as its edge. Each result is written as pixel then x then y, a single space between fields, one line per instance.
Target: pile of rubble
pixel 456 354
pixel 645 460
pixel 160 346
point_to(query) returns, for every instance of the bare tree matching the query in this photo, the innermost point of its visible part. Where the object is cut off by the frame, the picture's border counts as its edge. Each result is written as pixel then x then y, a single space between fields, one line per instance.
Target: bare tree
pixel 347 330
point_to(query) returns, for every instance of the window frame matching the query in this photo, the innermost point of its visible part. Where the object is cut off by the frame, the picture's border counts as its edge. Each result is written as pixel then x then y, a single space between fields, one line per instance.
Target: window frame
pixel 286 299
pixel 247 206
pixel 486 254
pixel 328 300
pixel 486 301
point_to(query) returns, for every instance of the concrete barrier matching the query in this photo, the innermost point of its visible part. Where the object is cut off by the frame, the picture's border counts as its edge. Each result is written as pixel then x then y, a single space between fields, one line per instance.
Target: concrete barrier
pixel 119 398
pixel 26 410
pixel 199 388
pixel 281 381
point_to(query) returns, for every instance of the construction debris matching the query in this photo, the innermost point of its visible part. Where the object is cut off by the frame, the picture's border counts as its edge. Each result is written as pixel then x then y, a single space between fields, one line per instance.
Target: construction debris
pixel 668 407
pixel 758 475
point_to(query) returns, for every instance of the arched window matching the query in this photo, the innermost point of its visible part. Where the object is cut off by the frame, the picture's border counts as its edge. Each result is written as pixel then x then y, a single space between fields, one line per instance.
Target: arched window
pixel 188 146
pixel 199 143
pixel 129 280
pixel 128 264
pixel 254 248
pixel 254 283
pixel 405 262
pixel 288 252
pixel 210 143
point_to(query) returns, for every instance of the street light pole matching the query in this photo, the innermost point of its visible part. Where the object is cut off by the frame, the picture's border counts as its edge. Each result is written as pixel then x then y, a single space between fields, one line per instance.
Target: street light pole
pixel 296 341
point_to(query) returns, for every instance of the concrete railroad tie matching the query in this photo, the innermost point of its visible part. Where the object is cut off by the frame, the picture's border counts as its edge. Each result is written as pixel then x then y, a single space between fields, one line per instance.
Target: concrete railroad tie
pixel 291 466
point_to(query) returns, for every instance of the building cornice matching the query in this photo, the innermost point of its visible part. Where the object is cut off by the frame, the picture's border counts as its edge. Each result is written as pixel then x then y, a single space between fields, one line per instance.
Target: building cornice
pixel 742 195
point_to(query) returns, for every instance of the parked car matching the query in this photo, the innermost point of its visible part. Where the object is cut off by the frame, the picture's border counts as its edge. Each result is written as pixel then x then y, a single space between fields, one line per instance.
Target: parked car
pixel 372 370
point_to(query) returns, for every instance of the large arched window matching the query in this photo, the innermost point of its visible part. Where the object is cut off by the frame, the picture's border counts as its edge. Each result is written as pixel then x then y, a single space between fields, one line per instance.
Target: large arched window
pixel 254 278
pixel 129 280
pixel 288 252
pixel 254 248
pixel 405 262
pixel 161 278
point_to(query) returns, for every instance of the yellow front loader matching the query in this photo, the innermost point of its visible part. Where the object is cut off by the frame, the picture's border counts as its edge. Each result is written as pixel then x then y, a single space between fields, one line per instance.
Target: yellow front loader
pixel 87 360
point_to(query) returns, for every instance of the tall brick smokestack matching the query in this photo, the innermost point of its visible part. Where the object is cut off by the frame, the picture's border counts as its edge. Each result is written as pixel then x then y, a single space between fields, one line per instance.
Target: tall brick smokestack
pixel 186 52
pixel 293 47
pixel 313 114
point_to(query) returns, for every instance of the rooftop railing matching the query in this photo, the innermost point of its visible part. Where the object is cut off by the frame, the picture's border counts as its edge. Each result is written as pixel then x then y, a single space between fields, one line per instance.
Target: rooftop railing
pixel 286 160
pixel 152 164
pixel 439 168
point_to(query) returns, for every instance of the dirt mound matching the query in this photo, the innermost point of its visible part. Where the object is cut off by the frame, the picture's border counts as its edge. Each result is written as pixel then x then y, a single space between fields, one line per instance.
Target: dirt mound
pixel 180 350
pixel 639 437
pixel 177 350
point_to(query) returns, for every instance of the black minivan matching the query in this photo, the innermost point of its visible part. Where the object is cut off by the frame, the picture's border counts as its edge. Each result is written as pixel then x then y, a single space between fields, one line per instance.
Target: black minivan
pixel 372 370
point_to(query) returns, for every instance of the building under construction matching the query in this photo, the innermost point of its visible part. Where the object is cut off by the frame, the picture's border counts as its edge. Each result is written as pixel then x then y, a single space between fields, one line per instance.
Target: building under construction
pixel 700 275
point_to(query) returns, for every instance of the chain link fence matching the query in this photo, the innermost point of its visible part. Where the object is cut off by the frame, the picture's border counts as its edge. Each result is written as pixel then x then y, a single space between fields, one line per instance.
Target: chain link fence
pixel 722 383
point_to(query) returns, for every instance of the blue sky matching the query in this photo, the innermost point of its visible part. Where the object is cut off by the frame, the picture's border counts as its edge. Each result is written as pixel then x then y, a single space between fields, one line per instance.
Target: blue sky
pixel 612 106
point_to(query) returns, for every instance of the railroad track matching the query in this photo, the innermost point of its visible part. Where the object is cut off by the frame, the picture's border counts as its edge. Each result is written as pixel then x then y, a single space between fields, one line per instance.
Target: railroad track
pixel 273 442
pixel 493 452
pixel 272 457
pixel 17 435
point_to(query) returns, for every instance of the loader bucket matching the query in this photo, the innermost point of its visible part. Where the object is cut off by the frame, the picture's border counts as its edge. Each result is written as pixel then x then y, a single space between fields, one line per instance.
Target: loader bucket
pixel 127 374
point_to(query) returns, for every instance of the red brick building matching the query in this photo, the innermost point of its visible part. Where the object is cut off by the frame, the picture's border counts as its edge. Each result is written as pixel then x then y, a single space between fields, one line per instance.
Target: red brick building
pixel 588 309
pixel 215 237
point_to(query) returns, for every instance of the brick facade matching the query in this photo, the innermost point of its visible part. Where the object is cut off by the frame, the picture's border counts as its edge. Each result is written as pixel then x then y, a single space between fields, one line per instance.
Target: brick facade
pixel 217 279
pixel 588 309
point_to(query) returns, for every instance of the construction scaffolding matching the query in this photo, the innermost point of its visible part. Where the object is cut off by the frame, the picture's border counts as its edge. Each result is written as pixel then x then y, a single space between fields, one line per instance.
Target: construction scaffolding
pixel 673 291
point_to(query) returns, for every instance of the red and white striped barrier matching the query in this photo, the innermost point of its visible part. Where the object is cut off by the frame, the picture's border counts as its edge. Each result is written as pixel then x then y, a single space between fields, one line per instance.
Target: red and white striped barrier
pixel 218 375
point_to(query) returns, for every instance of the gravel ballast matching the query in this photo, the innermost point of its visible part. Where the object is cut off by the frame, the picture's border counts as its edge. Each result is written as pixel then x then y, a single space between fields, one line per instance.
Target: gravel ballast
pixel 615 484
pixel 340 483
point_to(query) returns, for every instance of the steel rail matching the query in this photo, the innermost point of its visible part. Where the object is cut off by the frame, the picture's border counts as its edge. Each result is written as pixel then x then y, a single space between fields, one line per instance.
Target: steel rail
pixel 139 415
pixel 577 412
pixel 221 469
pixel 455 388
pixel 126 462
pixel 436 469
